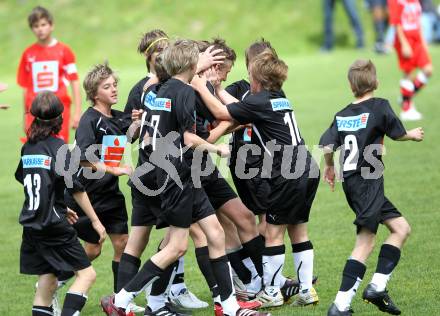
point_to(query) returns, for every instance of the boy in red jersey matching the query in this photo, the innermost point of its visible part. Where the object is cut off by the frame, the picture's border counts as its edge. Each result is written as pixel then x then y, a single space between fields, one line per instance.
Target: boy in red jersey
pixel 412 52
pixel 49 65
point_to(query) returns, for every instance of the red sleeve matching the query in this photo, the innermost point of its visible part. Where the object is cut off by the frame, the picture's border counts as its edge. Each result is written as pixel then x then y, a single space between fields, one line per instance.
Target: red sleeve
pixel 23 74
pixel 69 65
pixel 395 12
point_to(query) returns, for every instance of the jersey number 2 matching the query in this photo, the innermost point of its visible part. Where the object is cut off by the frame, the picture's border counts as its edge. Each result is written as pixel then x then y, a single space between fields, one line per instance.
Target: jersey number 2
pixel 33 185
pixel 350 143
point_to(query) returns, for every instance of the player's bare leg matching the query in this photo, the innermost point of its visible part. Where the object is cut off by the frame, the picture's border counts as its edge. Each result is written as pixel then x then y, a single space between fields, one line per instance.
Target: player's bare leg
pixel 46 287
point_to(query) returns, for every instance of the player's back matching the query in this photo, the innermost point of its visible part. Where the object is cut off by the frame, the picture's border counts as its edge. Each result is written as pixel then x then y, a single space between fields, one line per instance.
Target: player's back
pixel 360 128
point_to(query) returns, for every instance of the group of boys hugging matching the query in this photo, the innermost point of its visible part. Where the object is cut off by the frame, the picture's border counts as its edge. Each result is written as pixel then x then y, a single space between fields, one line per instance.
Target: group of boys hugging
pixel 177 113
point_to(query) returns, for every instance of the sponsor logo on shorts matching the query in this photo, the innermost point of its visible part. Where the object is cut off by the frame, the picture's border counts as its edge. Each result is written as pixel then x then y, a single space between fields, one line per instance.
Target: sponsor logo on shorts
pixel 161 104
pixel 280 104
pixel 352 123
pixel 36 161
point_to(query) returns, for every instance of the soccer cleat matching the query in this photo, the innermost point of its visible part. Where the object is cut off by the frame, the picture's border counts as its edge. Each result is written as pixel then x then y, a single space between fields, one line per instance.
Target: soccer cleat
pixel 250 312
pixel 241 290
pixel 56 307
pixel 109 308
pixel 411 114
pixel 135 308
pixel 305 298
pixel 291 288
pixel 249 304
pixel 270 297
pixel 187 300
pixel 334 311
pixel 218 309
pixel 381 299
pixel 167 310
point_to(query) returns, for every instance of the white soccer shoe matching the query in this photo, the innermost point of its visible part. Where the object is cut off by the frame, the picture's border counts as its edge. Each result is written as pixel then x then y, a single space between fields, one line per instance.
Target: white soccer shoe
pixel 270 297
pixel 305 298
pixel 187 300
pixel 411 114
pixel 132 307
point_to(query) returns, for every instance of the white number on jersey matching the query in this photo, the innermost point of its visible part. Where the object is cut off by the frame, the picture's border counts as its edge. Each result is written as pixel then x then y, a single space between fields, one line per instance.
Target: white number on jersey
pixel 350 143
pixel 33 185
pixel 289 119
pixel 155 123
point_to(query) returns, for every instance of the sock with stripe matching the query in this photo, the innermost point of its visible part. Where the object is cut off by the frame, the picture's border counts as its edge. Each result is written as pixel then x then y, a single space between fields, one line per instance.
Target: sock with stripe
pixel 303 260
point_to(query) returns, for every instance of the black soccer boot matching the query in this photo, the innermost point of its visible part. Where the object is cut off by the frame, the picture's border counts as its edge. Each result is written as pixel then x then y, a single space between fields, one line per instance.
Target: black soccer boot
pixel 381 299
pixel 334 311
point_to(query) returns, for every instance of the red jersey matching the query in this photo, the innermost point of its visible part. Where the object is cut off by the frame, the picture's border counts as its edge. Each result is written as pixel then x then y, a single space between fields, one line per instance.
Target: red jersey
pixel 406 13
pixel 47 68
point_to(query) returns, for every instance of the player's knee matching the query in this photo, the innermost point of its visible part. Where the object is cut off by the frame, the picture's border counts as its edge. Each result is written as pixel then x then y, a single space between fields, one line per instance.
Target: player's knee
pixel 93 251
pixel 87 276
pixel 120 243
pixel 428 70
pixel 403 230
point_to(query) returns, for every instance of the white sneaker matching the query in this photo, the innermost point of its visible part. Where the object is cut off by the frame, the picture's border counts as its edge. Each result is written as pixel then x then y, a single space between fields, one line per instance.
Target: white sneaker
pixel 132 307
pixel 187 300
pixel 411 114
pixel 270 297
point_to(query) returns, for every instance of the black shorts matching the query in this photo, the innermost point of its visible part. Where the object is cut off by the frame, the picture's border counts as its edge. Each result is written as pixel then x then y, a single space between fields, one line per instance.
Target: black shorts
pixel 145 208
pixel 367 199
pixel 180 207
pixel 291 200
pixel 51 251
pixel 217 189
pixel 254 193
pixel 114 220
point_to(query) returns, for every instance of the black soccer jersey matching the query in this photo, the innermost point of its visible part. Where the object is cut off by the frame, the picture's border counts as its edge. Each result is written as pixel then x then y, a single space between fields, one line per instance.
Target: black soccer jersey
pixel 134 101
pixel 273 120
pixel 204 118
pixel 43 188
pixel 357 127
pixel 109 134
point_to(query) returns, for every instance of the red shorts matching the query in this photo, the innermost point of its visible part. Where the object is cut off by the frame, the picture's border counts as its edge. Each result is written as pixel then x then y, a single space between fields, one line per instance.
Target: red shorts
pixel 420 57
pixel 64 132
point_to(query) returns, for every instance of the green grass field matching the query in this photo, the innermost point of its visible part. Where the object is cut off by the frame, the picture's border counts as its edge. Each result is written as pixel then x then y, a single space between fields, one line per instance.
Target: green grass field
pixel 317 87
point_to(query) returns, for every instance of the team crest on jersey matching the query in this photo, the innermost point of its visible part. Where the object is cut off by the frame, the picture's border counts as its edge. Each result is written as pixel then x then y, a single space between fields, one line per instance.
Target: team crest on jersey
pixel 149 99
pixel 280 104
pixel 352 123
pixel 161 104
pixel 36 161
pixel 113 147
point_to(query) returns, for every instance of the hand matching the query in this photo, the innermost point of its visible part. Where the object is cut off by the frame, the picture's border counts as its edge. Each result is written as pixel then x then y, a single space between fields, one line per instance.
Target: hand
pixel 407 51
pixel 123 170
pixel 136 115
pixel 211 75
pixel 223 150
pixel 329 176
pixel 209 58
pixel 100 229
pixel 198 82
pixel 153 80
pixel 416 134
pixel 71 216
pixel 74 122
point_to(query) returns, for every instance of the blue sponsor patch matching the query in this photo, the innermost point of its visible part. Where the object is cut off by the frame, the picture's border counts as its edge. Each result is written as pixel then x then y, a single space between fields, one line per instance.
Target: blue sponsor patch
pixel 36 161
pixel 160 104
pixel 280 104
pixel 149 99
pixel 352 123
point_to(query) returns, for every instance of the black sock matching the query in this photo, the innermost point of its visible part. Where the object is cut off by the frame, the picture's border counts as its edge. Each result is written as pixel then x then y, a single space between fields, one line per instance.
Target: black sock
pixel 160 285
pixel 352 271
pixel 254 249
pixel 41 310
pixel 73 304
pixel 115 269
pixel 202 256
pixel 389 257
pixel 128 267
pixel 222 273
pixel 65 275
pixel 146 275
pixel 236 260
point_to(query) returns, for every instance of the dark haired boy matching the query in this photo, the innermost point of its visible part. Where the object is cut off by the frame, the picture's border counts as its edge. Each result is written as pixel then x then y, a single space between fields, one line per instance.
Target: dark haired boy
pixel 360 129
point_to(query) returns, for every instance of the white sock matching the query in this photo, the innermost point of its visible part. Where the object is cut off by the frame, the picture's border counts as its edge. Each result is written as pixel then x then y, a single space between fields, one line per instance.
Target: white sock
pixel 250 265
pixel 156 301
pixel 380 280
pixel 344 298
pixel 282 279
pixel 273 269
pixel 304 268
pixel 230 305
pixel 255 285
pixel 123 298
pixel 176 288
pixel 422 77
